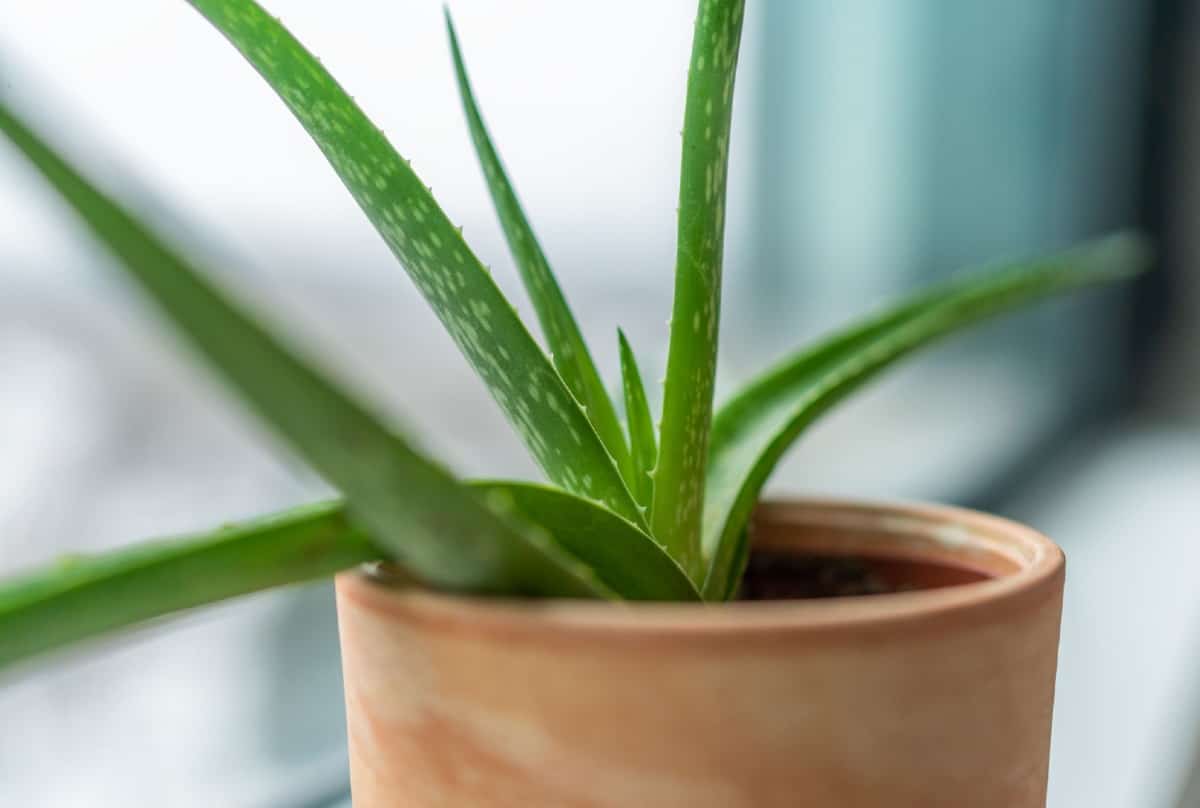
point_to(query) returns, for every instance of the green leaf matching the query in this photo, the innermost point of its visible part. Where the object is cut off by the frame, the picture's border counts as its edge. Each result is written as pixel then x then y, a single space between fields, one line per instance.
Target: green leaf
pixel 80 597
pixel 433 526
pixel 432 250
pixel 692 357
pixel 641 424
pixel 83 596
pixel 752 432
pixel 569 351
pixel 623 557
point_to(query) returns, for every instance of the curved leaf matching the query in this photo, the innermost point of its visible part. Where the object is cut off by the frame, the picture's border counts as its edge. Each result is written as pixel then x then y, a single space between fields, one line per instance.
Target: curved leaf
pixel 624 558
pixel 752 432
pixel 692 357
pixel 432 250
pixel 641 424
pixel 84 596
pixel 426 520
pixel 567 347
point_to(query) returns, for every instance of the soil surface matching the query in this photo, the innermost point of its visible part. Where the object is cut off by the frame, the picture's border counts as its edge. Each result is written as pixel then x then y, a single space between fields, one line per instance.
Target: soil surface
pixel 787 576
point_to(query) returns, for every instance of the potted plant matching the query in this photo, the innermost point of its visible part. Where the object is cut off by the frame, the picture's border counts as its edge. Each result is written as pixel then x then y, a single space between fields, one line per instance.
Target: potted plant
pixel 578 643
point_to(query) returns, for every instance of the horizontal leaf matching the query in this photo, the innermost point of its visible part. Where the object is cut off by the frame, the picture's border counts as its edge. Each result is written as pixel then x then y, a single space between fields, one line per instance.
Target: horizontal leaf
pixel 752 432
pixel 567 347
pixel 692 356
pixel 432 250
pixel 80 597
pixel 641 424
pixel 433 526
pixel 83 596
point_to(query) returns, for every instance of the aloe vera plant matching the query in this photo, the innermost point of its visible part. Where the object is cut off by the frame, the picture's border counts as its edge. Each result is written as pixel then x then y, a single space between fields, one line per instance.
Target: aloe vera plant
pixel 631 512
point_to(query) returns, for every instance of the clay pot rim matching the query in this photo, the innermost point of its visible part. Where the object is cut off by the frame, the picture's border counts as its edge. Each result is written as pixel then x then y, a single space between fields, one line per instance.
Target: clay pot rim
pixel 1027 565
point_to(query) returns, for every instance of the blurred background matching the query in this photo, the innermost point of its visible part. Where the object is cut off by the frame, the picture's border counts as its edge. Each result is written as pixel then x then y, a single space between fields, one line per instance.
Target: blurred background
pixel 877 146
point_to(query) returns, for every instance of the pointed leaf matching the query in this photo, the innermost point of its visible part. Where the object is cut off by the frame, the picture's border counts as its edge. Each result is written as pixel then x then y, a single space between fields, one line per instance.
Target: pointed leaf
pixel 752 432
pixel 567 347
pixel 641 424
pixel 434 527
pixel 432 250
pixel 84 596
pixel 691 361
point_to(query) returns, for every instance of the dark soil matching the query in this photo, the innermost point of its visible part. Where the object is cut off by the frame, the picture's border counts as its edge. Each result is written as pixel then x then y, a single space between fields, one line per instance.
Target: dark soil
pixel 787 576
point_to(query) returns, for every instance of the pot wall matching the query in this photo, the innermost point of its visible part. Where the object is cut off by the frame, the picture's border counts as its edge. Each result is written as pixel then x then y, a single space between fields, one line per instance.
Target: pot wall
pixel 937 698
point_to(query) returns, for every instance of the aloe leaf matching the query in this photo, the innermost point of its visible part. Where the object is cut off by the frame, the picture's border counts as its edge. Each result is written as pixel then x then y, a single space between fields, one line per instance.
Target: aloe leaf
pixel 79 597
pixel 432 250
pixel 754 429
pixel 567 347
pixel 83 596
pixel 691 361
pixel 641 424
pixel 623 557
pixel 433 526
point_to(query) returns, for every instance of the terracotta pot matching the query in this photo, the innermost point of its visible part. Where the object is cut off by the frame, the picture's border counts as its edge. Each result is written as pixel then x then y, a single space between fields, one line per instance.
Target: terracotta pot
pixel 932 698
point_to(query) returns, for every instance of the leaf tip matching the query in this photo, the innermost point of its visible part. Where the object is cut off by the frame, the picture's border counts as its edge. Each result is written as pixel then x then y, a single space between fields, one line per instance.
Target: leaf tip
pixel 1129 251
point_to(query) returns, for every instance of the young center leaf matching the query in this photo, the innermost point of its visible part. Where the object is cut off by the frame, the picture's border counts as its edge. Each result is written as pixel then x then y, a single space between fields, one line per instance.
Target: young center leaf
pixel 432 250
pixel 691 360
pixel 641 424
pixel 437 529
pixel 753 430
pixel 569 351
